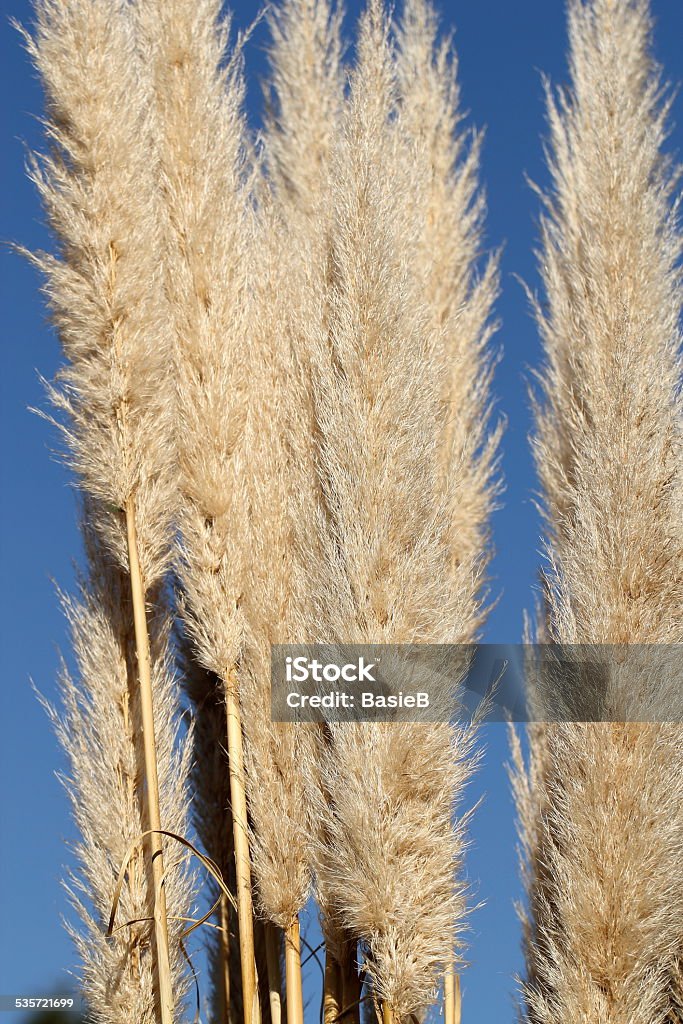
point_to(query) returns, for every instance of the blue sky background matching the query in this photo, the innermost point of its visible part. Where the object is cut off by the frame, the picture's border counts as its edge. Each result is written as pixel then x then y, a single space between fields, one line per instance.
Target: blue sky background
pixel 503 48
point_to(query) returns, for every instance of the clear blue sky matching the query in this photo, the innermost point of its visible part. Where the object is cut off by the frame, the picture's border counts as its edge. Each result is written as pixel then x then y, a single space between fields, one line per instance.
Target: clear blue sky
pixel 503 48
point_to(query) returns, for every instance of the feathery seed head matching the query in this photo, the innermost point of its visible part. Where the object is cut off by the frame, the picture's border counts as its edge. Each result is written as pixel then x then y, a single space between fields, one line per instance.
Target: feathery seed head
pixel 600 817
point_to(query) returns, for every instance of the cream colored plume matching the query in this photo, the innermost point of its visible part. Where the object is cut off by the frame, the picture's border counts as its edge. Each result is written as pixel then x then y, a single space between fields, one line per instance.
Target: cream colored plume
pixel 459 297
pixel 99 727
pixel 605 938
pixel 389 856
pixel 305 80
pixel 609 440
pixel 98 187
pixel 275 602
pixel 304 98
pixel 208 264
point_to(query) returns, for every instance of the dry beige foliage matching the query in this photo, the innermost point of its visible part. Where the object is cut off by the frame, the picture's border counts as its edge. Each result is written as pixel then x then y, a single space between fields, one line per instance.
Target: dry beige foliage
pixel 98 190
pixel 99 728
pixel 275 596
pixel 387 854
pixel 609 440
pixel 305 96
pixel 304 101
pixel 451 208
pixel 208 270
pixel 98 187
pixel 601 820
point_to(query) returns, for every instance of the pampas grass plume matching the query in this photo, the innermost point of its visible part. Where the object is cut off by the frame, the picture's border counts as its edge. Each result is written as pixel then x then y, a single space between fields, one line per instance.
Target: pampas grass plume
pixel 98 187
pixel 601 816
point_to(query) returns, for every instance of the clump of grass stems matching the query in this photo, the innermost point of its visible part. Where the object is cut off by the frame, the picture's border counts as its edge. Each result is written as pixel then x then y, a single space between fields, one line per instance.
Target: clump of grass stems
pixel 206 395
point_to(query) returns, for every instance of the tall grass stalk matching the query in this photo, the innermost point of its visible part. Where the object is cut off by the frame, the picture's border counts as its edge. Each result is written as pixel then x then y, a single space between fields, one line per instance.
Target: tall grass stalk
pixel 600 810
pixel 99 190
pixel 151 773
pixel 99 729
pixel 332 995
pixel 304 97
pixel 274 974
pixel 387 852
pixel 451 997
pixel 208 232
pixel 274 602
pixel 211 816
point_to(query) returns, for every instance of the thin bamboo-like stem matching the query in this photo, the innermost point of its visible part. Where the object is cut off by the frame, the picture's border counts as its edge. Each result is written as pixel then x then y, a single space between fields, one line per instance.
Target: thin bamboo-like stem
pixel 225 961
pixel 452 1000
pixel 294 989
pixel 387 1013
pixel 238 802
pixel 332 999
pixel 449 996
pixel 274 973
pixel 351 986
pixel 151 773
